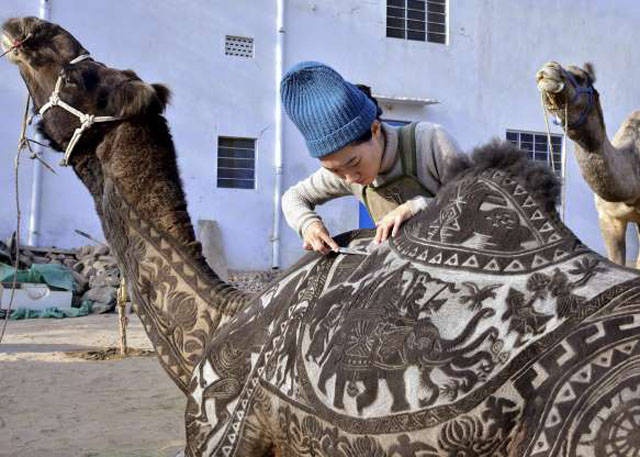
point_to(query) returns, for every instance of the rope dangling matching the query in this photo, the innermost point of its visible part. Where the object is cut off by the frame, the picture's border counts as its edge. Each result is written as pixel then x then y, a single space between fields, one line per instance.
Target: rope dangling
pixel 16 166
pixel 563 152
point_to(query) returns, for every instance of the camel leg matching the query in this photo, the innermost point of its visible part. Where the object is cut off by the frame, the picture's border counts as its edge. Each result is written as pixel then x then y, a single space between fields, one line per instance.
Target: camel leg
pixel 614 232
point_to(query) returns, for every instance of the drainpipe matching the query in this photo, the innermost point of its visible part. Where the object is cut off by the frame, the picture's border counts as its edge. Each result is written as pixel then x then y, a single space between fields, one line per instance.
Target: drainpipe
pixel 36 184
pixel 277 155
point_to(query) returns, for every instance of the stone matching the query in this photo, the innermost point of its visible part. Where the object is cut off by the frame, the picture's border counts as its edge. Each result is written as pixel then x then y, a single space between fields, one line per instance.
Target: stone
pixel 103 299
pixel 209 235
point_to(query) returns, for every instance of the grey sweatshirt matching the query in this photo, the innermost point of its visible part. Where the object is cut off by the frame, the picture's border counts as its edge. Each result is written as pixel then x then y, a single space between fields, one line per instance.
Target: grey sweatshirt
pixel 435 149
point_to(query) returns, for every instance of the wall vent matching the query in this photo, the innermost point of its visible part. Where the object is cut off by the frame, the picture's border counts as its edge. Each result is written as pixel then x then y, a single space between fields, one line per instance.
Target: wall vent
pixel 238 46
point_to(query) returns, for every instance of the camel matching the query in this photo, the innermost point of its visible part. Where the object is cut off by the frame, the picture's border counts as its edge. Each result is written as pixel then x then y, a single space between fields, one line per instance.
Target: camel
pixel 610 168
pixel 512 339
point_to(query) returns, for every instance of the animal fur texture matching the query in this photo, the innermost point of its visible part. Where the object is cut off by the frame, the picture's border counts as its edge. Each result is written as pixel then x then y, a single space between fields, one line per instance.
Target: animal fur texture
pixel 485 328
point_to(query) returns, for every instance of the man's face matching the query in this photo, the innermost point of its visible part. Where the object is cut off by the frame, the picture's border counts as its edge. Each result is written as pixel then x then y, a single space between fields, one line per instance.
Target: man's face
pixel 358 163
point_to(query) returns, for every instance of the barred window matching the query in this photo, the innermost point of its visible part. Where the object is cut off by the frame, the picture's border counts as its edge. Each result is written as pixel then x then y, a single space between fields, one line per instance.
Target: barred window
pixel 537 146
pixel 236 162
pixel 421 20
pixel 238 46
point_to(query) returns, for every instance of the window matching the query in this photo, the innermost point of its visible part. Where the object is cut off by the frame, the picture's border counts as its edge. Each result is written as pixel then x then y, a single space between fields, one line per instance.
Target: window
pixel 238 46
pixel 395 122
pixel 421 20
pixel 537 146
pixel 236 163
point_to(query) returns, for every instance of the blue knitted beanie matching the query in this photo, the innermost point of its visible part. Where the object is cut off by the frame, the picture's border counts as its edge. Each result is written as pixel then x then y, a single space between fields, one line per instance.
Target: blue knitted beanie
pixel 329 111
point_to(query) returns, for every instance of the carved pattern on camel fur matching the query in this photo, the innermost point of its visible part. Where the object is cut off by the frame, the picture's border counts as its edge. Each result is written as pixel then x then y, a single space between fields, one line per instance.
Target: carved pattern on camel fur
pixel 485 328
pixel 610 168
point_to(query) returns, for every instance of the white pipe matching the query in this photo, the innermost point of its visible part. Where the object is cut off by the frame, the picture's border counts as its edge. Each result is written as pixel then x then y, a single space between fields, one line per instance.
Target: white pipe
pixel 277 155
pixel 36 184
pixel 34 210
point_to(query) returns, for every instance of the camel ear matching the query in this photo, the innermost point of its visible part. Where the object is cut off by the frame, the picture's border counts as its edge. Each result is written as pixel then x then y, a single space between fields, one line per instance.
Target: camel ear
pixel 137 98
pixel 163 93
pixel 591 72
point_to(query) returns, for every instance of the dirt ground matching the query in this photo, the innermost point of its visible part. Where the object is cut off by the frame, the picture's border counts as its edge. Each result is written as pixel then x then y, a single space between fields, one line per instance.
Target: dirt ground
pixel 54 405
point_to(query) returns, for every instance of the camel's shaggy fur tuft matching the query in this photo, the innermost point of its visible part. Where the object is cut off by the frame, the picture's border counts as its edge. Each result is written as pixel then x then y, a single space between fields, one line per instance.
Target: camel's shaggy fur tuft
pixel 535 176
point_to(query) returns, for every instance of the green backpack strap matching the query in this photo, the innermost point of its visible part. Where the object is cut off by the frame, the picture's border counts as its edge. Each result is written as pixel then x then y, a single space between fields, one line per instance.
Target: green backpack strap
pixel 407 149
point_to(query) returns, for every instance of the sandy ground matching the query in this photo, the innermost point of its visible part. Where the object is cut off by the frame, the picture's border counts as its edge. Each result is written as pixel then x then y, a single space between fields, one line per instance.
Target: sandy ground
pixel 53 405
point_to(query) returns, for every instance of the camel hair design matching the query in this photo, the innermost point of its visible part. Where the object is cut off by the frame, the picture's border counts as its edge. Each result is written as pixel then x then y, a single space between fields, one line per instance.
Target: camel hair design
pixel 610 168
pixel 484 329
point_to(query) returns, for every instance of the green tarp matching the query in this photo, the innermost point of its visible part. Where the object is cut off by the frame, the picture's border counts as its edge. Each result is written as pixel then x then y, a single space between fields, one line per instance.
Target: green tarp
pixel 53 312
pixel 51 274
pixel 54 275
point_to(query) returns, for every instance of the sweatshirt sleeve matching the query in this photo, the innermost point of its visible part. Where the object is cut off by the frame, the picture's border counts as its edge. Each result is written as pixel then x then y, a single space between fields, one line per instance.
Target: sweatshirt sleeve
pixel 300 200
pixel 436 151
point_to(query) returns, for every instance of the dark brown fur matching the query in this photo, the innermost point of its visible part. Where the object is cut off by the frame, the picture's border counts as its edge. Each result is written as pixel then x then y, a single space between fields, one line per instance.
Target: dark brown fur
pixel 543 184
pixel 129 167
pixel 143 163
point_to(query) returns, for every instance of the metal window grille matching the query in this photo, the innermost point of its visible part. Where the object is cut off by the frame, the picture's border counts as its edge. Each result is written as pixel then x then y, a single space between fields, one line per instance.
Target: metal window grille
pixel 421 20
pixel 537 146
pixel 238 46
pixel 236 163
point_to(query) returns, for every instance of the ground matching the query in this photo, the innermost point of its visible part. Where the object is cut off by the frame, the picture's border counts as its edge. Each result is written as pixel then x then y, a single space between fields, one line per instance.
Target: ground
pixel 55 405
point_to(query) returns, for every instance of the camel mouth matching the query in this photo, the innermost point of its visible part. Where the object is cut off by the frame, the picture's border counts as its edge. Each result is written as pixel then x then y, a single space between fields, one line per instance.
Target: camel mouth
pixel 6 42
pixel 14 32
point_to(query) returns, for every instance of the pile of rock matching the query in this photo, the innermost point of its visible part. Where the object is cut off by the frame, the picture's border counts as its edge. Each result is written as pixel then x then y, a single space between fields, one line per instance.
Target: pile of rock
pixel 101 275
pixel 97 274
pixel 93 267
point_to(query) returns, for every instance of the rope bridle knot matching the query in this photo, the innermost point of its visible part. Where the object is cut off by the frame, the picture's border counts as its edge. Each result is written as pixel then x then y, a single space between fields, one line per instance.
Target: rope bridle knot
pixel 54 99
pixel 86 120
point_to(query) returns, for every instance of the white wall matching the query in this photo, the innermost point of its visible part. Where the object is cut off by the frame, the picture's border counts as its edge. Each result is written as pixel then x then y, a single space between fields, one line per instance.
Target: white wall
pixel 179 43
pixel 13 96
pixel 484 79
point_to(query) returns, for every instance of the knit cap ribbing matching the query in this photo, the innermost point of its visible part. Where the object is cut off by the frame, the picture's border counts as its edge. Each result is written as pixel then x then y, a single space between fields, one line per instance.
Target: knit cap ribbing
pixel 329 111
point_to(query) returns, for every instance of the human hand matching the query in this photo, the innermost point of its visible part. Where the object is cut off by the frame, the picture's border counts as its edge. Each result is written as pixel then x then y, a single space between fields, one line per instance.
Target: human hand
pixel 316 238
pixel 391 222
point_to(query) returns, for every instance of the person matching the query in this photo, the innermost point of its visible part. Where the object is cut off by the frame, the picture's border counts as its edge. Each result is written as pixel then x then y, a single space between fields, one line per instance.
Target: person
pixel 392 171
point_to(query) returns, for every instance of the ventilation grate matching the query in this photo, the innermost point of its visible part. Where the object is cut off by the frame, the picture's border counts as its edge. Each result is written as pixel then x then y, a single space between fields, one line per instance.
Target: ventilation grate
pixel 237 162
pixel 238 46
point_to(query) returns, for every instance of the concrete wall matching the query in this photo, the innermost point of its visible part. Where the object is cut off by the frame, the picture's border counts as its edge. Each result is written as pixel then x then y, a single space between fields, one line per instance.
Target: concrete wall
pixel 484 79
pixel 179 43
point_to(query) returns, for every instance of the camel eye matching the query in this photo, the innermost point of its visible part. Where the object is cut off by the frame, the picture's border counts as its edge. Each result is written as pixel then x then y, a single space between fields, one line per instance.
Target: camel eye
pixel 581 78
pixel 69 82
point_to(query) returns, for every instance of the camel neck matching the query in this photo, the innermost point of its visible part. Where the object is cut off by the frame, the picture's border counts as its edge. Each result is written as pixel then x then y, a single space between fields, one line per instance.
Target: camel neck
pixel 179 299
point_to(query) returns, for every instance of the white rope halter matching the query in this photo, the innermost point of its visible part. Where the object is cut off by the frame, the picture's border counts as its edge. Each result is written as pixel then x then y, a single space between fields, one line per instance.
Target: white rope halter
pixel 86 120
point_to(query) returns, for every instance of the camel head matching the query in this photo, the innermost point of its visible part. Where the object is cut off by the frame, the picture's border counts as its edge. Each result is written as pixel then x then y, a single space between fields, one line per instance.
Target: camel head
pixel 44 52
pixel 41 49
pixel 133 149
pixel 569 93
